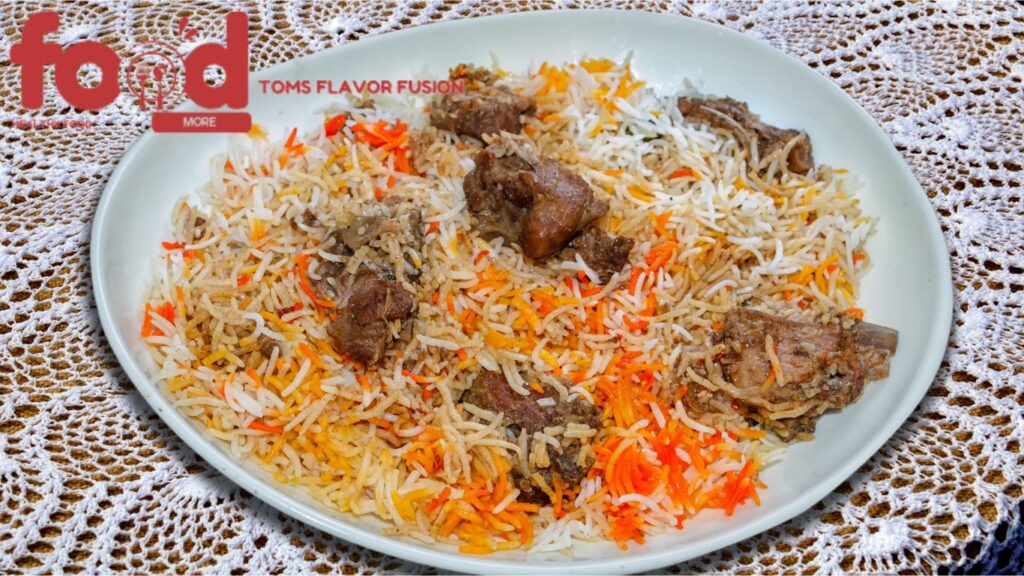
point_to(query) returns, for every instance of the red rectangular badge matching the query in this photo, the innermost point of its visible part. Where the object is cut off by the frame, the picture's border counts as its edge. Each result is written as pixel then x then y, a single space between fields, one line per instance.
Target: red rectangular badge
pixel 202 122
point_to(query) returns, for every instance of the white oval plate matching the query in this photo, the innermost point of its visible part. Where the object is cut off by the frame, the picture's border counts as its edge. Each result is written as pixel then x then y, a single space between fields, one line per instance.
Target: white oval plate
pixel 909 287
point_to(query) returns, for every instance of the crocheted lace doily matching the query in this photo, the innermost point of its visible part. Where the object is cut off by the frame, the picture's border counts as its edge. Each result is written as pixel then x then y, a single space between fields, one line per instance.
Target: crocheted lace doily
pixel 91 480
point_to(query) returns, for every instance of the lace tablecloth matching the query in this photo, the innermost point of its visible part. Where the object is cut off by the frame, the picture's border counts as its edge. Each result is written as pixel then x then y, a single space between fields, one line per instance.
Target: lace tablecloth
pixel 91 480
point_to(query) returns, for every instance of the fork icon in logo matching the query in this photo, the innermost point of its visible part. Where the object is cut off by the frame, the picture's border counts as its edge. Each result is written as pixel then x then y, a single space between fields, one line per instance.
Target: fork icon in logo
pixel 154 76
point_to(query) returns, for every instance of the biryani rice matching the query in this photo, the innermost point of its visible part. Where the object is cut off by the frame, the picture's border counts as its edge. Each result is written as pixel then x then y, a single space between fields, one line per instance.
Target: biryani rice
pixel 241 343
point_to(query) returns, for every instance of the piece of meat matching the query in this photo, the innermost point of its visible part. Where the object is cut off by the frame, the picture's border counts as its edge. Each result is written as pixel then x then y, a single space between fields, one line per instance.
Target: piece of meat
pixel 605 253
pixel 564 464
pixel 735 116
pixel 363 101
pixel 332 278
pixel 878 344
pixel 404 220
pixel 567 463
pixel 528 491
pixel 823 366
pixel 267 346
pixel 334 243
pixel 343 242
pixel 491 391
pixel 362 328
pixel 478 113
pixel 332 274
pixel 419 150
pixel 475 77
pixel 394 218
pixel 497 212
pixel 375 297
pixel 309 218
pixel 563 204
pixel 374 304
pixel 198 228
pixel 362 231
pixel 366 343
pixel 482 109
pixel 517 194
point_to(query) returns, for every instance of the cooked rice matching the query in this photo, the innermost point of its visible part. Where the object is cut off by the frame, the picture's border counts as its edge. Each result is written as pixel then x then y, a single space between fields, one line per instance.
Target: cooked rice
pixel 244 351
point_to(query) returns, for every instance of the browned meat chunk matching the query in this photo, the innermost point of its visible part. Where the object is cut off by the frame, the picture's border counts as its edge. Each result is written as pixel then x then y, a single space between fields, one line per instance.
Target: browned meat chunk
pixel 373 304
pixel 522 413
pixel 517 194
pixel 497 211
pixel 377 298
pixel 482 109
pixel 363 342
pixel 362 330
pixel 604 253
pixel 733 115
pixel 364 230
pixel 491 391
pixel 475 114
pixel 393 218
pixel 823 367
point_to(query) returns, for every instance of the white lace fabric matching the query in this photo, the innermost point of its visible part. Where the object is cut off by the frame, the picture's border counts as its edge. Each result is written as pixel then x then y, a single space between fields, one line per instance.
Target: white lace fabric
pixel 92 481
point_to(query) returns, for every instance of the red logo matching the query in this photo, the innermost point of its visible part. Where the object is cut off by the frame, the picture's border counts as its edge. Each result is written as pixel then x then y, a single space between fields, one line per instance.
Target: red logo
pixel 152 76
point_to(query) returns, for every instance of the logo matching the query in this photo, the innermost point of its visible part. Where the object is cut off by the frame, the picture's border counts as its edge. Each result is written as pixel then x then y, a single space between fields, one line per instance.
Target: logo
pixel 213 76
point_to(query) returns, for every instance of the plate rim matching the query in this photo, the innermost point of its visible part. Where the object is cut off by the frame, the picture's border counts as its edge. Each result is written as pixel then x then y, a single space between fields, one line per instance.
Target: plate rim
pixel 935 348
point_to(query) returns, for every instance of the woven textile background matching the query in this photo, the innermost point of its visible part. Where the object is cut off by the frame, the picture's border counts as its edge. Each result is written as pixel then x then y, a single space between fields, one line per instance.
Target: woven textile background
pixel 92 481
